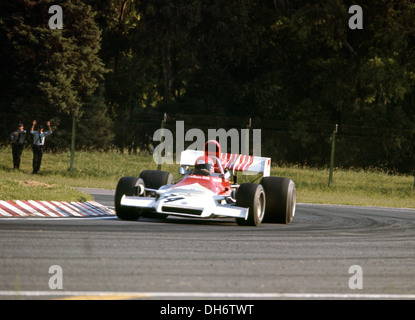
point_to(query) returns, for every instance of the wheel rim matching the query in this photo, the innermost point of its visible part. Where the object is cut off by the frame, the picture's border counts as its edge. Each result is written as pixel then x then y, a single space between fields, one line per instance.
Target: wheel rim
pixel 260 208
pixel 292 202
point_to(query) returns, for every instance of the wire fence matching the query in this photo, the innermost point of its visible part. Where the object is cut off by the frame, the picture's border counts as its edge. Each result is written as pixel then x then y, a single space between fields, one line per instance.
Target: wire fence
pixel 298 142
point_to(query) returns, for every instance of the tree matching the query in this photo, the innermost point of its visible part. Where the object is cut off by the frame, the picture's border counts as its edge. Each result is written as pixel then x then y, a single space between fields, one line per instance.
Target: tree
pixel 53 72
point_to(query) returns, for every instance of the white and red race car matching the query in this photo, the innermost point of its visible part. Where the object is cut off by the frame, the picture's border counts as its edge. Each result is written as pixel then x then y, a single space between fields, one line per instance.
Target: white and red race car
pixel 208 189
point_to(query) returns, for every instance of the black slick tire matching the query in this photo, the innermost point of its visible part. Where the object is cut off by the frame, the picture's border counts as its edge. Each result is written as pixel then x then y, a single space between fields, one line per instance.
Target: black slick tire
pixel 281 199
pixel 127 186
pixel 154 179
pixel 252 196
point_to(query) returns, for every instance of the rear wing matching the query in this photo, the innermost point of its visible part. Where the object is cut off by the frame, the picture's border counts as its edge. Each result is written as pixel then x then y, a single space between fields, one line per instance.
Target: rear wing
pixel 232 162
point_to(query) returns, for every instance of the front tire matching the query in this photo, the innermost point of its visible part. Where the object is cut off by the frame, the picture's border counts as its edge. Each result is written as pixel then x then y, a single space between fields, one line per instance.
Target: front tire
pixel 281 199
pixel 252 196
pixel 129 186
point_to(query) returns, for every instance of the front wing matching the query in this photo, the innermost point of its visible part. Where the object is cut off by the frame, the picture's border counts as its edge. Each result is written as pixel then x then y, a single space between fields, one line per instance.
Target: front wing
pixel 185 207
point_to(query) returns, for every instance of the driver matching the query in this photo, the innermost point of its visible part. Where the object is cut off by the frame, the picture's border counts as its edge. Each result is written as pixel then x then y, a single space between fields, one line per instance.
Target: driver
pixel 205 163
pixel 212 150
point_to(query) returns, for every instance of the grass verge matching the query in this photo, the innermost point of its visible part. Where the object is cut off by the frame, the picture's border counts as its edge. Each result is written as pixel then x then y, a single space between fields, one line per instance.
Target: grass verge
pixel 103 170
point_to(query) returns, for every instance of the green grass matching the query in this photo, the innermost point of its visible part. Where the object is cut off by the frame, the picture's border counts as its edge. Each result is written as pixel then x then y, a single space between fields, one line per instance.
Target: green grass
pixel 103 170
pixel 351 187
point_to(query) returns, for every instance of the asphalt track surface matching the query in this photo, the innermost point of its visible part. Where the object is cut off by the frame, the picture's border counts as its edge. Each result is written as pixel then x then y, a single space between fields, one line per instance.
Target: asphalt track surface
pixel 181 258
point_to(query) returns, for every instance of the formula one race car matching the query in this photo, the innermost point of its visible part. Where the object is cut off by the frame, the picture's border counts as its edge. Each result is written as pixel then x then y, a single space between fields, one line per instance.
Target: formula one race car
pixel 208 189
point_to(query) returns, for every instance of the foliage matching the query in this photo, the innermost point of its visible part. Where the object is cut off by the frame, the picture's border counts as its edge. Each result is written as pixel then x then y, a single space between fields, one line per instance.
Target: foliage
pixel 50 73
pixel 294 67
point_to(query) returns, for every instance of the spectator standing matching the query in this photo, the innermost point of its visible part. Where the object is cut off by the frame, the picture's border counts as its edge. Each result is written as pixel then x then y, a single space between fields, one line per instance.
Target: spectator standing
pixel 17 138
pixel 39 144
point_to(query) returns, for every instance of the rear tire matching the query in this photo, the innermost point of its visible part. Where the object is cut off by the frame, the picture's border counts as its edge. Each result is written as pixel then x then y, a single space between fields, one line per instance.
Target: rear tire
pixel 128 186
pixel 281 199
pixel 252 196
pixel 154 179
